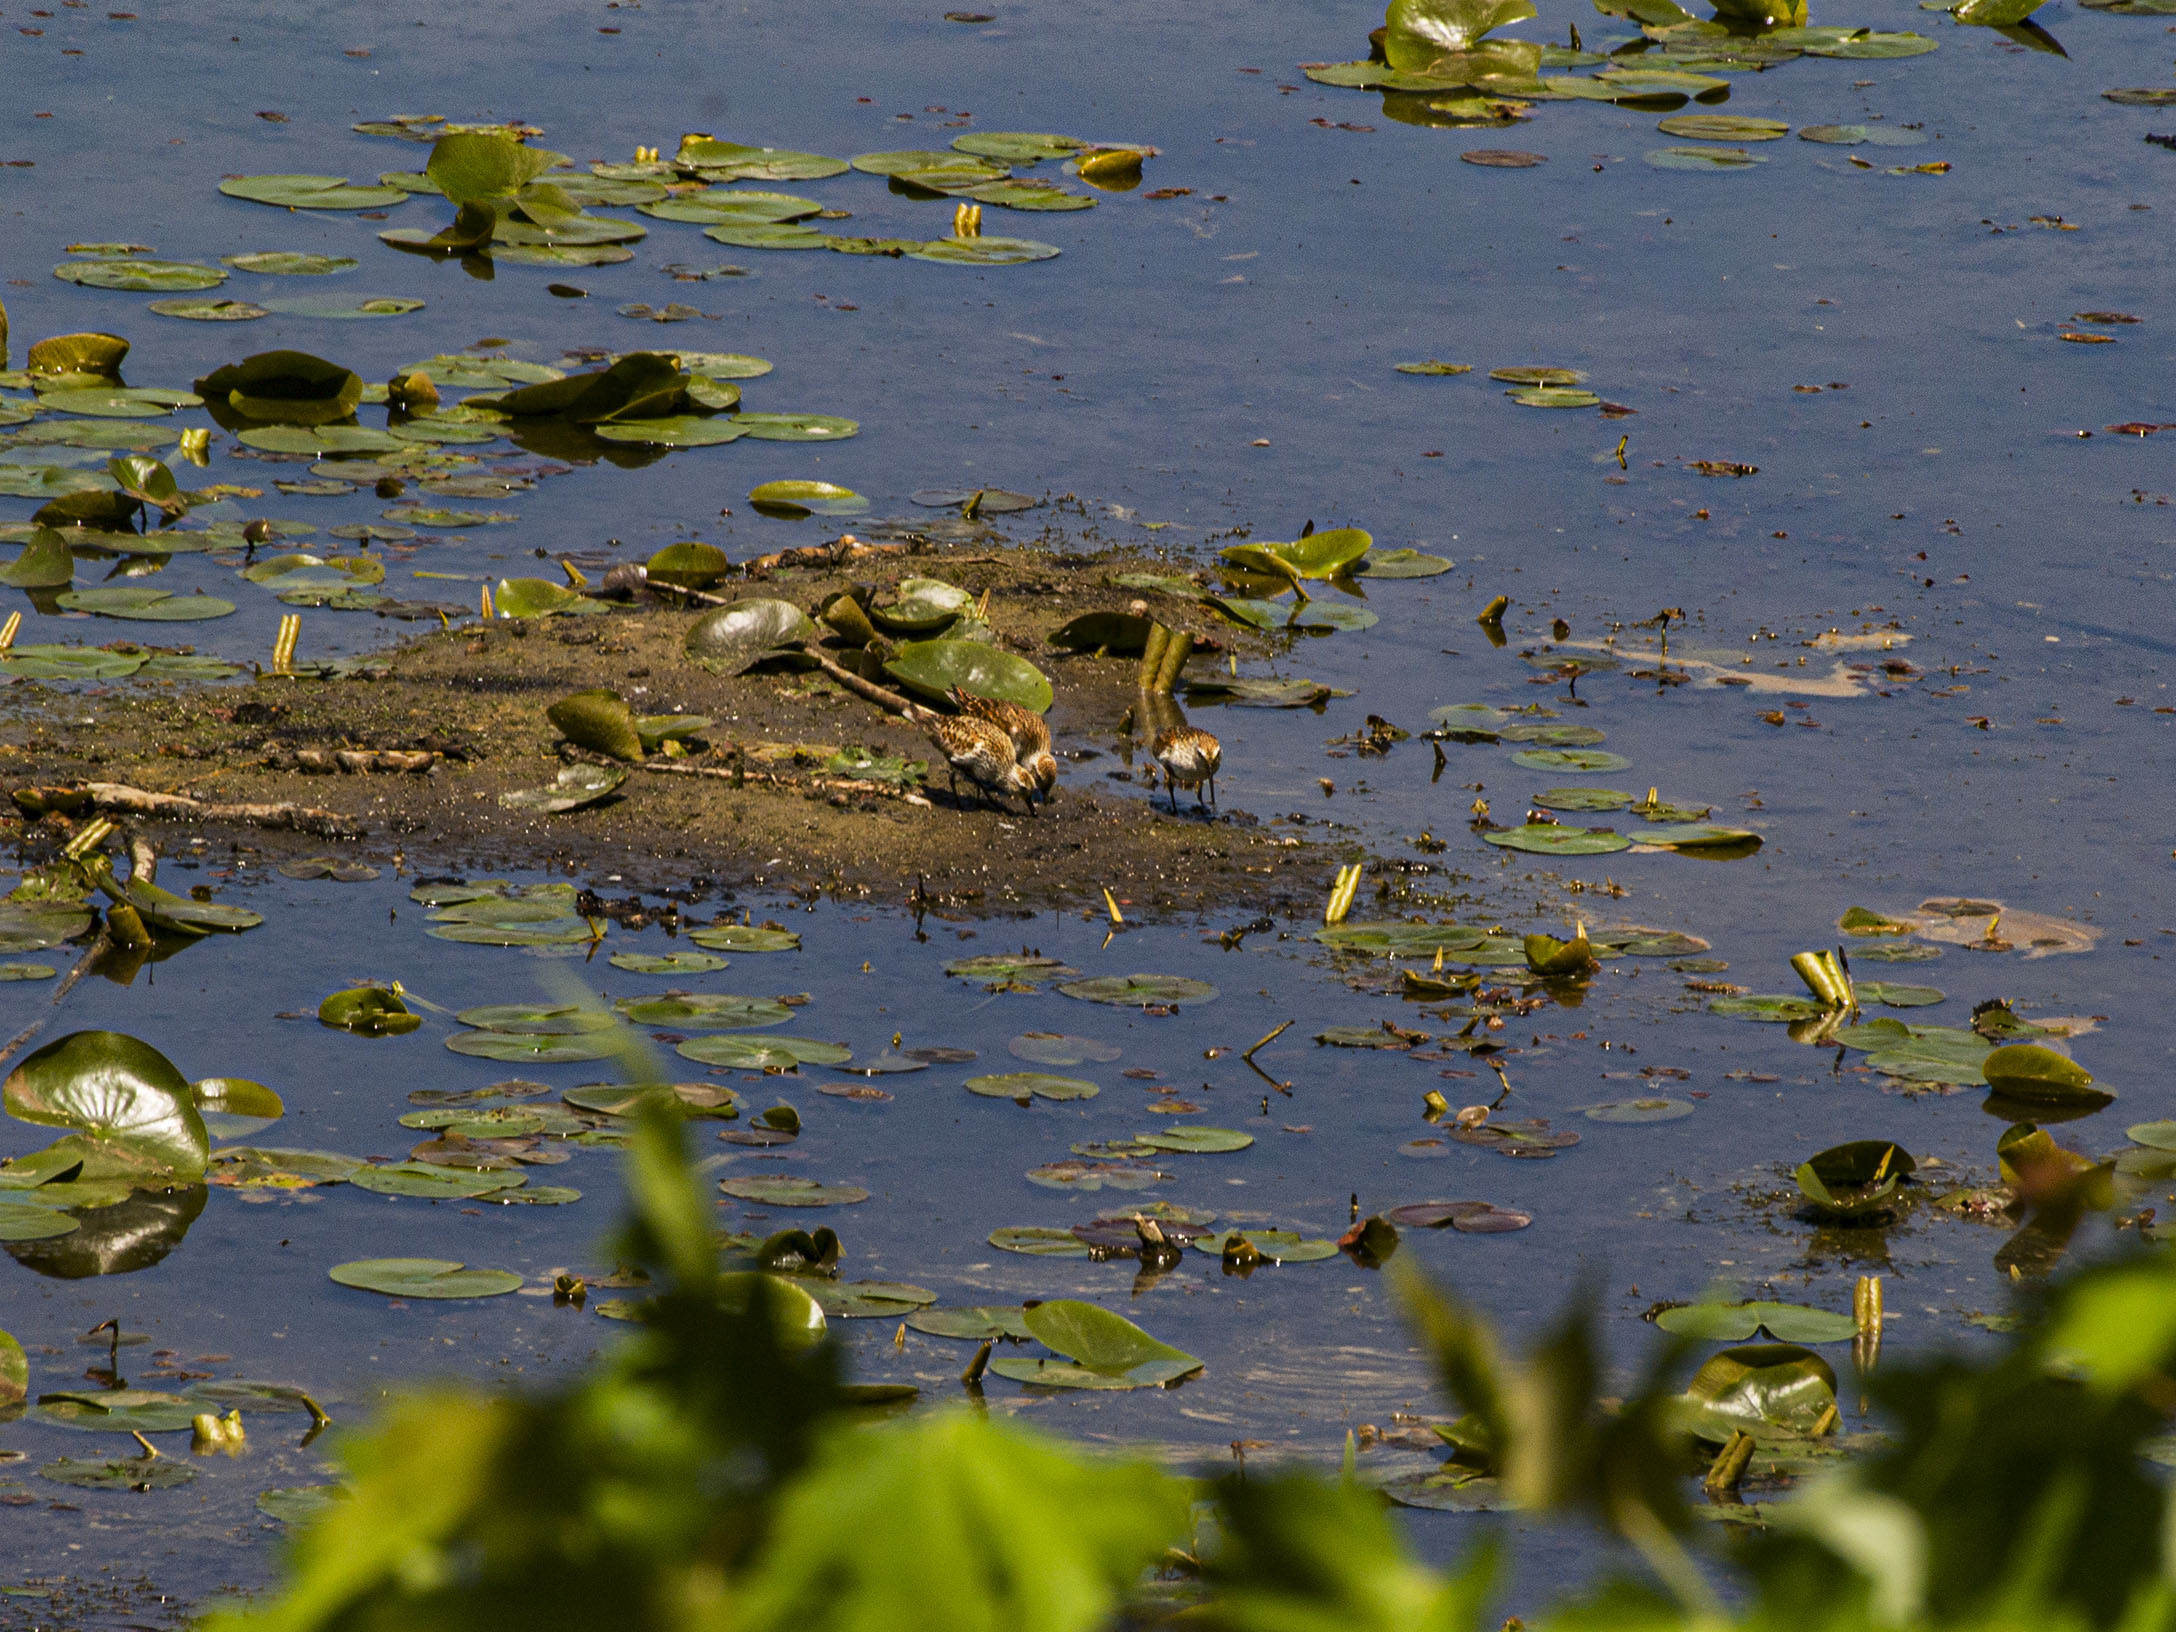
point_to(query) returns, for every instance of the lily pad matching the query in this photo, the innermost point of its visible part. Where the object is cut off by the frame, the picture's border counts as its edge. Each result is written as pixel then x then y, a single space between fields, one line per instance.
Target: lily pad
pixel 140 605
pixel 1892 995
pixel 1471 1217
pixel 1759 1386
pixel 791 1190
pixel 162 277
pixel 733 638
pixel 746 938
pixel 209 311
pixel 1274 1246
pixel 870 1300
pixel 291 263
pixel 1197 1140
pixel 2027 1071
pixel 575 788
pixel 1553 396
pixel 1088 1175
pixel 433 1278
pixel 1023 1085
pixel 793 499
pixel 119 1410
pixel 796 427
pixel 1593 760
pixel 132 1112
pixel 1735 1322
pixel 1776 1008
pixel 934 667
pixel 1403 563
pixel 1105 1350
pixel 738 1053
pixel 1532 1139
pixel 1582 799
pixel 340 308
pixel 1544 735
pixel 1853 1178
pixel 980 1323
pixel 1318 555
pixel 426 1179
pixel 666 963
pixel 300 1504
pixel 1140 991
pixel 987 250
pixel 1558 839
pixel 702 1011
pixel 1704 158
pixel 1639 1110
pixel 600 721
pixel 368 1011
pixel 299 192
pixel 1724 127
pixel 1402 940
pixel 1039 1242
pixel 128 1473
pixel 1061 1048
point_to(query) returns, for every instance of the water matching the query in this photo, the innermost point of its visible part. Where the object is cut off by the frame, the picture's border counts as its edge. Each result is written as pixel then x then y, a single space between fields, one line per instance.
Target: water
pixel 1186 330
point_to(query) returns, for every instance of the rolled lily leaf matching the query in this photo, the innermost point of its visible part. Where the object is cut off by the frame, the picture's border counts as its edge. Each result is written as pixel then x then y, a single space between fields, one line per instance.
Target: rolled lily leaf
pixel 470 166
pixel 1763 1386
pixel 1853 1178
pixel 1546 955
pixel 2028 1071
pixel 1319 555
pixel 285 387
pixel 599 721
pixel 734 638
pixel 368 1011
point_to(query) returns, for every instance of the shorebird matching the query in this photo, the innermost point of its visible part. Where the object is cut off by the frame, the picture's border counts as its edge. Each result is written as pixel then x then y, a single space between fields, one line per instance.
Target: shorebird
pixel 982 750
pixel 1190 757
pixel 1029 734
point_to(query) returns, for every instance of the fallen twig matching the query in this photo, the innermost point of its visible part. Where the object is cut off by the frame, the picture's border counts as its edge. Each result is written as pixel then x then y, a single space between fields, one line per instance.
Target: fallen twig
pixel 884 698
pixel 121 797
pixel 738 774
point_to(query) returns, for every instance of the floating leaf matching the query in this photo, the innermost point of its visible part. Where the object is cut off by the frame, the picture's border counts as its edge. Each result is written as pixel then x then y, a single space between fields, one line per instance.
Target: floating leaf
pixel 1640 1110
pixel 1318 555
pixel 434 1278
pixel 1704 158
pixel 1555 839
pixel 1106 1350
pixel 1140 991
pixel 666 963
pixel 1401 564
pixel 979 1322
pixel 1735 1322
pixel 703 1011
pixel 1571 759
pixel 1724 127
pixel 796 427
pixel 132 1112
pixel 790 1190
pixel 162 277
pixel 1197 1140
pixel 1855 1177
pixel 297 192
pixel 368 1011
pixel 135 604
pixel 739 1053
pixel 426 1179
pixel 794 499
pixel 746 938
pixel 1761 1386
pixel 2027 1071
pixel 867 1300
pixel 1038 1242
pixel 300 1504
pixel 989 250
pixel 1472 1217
pixel 1094 1175
pixel 1022 1085
pixel 1533 1139
pixel 119 1410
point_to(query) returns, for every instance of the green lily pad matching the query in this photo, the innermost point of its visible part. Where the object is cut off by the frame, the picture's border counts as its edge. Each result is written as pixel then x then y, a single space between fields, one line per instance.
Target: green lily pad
pixel 427 1179
pixel 1552 736
pixel 796 427
pixel 675 431
pixel 139 605
pixel 1197 1140
pixel 2028 1071
pixel 1735 1322
pixel 1402 940
pixel 1537 374
pixel 297 192
pixel 746 938
pixel 1555 839
pixel 697 1099
pixel 291 263
pixel 1697 836
pixel 1100 1345
pixel 28 1221
pixel 1088 1175
pixel 1038 1242
pixel 1553 396
pixel 1318 555
pixel 1704 158
pixel 1582 799
pixel 433 1278
pixel 1140 991
pixel 1639 1110
pixel 1854 44
pixel 1434 367
pixel 1592 760
pixel 132 1112
pixel 792 499
pixel 984 251
pixel 1006 969
pixel 27 971
pixel 338 308
pixel 702 1011
pixel 533 1050
pixel 1777 1008
pixel 791 1190
pixel 666 963
pixel 732 206
pixel 1895 952
pixel 870 1300
pixel 1894 996
pixel 368 1011
pixel 1022 1085
pixel 1401 564
pixel 1853 1178
pixel 1724 127
pixel 738 1053
pixel 1061 1048
pixel 922 606
pixel 300 1504
pixel 733 638
pixel 161 277
pixel 1762 1387
pixel 119 1410
pixel 209 311
pixel 715 160
pixel 118 402
pixel 1857 135
pixel 1275 1246
pixel 934 667
pixel 983 1323
pixel 285 387
pixel 127 1473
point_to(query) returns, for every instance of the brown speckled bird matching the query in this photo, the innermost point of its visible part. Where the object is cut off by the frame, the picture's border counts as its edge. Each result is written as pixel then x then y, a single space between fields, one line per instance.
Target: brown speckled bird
pixel 1190 757
pixel 1030 735
pixel 982 750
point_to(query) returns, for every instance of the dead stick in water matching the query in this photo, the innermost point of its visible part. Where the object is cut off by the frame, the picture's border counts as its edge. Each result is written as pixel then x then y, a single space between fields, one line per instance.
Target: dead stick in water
pixel 890 701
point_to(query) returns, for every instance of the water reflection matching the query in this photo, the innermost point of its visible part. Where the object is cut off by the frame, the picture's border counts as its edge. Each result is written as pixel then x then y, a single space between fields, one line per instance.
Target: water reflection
pixel 117 1240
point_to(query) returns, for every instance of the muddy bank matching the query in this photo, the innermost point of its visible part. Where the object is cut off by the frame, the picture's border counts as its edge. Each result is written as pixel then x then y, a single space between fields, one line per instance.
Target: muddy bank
pixel 416 761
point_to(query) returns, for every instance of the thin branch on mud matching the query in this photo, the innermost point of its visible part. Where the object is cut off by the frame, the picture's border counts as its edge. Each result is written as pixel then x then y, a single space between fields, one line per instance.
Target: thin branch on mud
pixel 119 796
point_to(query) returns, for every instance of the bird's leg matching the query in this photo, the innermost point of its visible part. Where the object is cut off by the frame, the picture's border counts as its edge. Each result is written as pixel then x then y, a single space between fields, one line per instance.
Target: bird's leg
pixel 1212 789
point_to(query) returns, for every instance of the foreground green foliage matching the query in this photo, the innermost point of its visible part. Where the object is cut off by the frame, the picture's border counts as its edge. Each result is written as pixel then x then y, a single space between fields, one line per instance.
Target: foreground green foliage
pixel 716 1472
